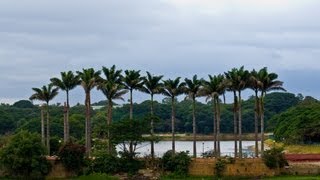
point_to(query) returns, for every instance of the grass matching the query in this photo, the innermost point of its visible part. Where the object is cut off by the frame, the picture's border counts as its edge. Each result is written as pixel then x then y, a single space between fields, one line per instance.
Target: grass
pixel 295 149
pixel 97 176
pixel 242 178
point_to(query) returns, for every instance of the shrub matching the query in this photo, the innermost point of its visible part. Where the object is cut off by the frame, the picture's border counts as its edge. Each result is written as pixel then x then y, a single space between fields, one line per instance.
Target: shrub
pixel 129 164
pixel 72 156
pixel 23 156
pixel 105 163
pixel 274 158
pixel 221 163
pixel 177 163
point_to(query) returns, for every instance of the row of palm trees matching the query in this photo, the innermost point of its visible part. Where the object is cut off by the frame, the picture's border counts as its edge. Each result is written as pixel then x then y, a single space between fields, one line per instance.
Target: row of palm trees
pixel 114 85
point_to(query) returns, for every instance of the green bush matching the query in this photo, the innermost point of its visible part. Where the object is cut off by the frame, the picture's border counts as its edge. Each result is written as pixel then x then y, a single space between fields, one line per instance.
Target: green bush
pixel 72 156
pixel 129 164
pixel 221 163
pixel 105 163
pixel 177 163
pixel 23 156
pixel 274 158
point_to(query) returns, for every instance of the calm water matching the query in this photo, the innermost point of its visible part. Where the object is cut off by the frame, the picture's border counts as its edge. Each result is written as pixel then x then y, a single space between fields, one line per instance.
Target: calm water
pixel 227 147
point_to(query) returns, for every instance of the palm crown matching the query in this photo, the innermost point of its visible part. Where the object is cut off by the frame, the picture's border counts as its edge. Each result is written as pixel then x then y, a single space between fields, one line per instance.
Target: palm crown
pixel 46 93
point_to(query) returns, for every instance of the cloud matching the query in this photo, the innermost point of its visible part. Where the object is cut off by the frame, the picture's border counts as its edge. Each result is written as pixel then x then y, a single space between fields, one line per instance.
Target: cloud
pixel 41 38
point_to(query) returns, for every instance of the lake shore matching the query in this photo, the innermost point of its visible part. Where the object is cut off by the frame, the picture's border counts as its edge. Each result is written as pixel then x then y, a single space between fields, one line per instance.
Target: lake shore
pixel 202 137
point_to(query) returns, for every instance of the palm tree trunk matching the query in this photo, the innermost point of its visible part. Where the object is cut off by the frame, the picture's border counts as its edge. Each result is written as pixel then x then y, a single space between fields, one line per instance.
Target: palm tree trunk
pixel 67 119
pixel 109 121
pixel 262 121
pixel 240 126
pixel 256 114
pixel 215 126
pixel 194 127
pixel 218 127
pixel 131 117
pixel 172 125
pixel 43 137
pixel 65 122
pixel 152 130
pixel 88 125
pixel 131 105
pixel 48 130
pixel 235 127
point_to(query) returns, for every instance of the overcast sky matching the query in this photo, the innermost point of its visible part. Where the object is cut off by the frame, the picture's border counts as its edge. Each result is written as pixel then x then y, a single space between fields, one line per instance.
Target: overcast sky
pixel 41 38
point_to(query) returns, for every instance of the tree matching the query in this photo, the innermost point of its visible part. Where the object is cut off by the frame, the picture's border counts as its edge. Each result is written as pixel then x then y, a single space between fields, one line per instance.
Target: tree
pixel 132 81
pixel 89 78
pixel 231 77
pixel 172 89
pixel 152 86
pixel 46 94
pixel 269 82
pixel 23 104
pixel 67 82
pixel 24 156
pixel 192 89
pixel 212 89
pixel 255 85
pixel 113 89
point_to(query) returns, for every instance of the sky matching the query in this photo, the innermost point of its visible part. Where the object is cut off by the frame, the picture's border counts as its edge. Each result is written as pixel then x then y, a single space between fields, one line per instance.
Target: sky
pixel 41 38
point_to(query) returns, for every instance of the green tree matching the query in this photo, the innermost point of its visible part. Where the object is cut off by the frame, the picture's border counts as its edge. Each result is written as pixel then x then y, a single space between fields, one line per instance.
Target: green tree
pixel 23 104
pixel 67 82
pixel 172 89
pixel 113 89
pixel 132 81
pixel 46 94
pixel 192 89
pixel 24 156
pixel 255 85
pixel 152 86
pixel 269 82
pixel 212 89
pixel 89 79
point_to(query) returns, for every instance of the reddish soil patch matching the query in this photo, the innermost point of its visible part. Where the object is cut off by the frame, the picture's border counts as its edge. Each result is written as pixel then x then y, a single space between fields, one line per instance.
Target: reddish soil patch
pixel 303 157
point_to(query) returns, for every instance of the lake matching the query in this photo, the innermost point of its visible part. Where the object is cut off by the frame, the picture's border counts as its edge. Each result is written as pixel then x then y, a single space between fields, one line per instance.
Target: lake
pixel 227 147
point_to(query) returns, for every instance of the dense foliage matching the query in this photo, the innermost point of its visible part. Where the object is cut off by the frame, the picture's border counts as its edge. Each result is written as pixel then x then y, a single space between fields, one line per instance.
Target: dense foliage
pixel 72 156
pixel 24 156
pixel 299 124
pixel 177 163
pixel 274 158
pixel 13 118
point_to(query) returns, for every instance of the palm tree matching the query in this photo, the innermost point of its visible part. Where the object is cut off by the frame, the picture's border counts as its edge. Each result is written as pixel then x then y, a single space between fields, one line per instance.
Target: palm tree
pixel 255 85
pixel 132 81
pixel 113 89
pixel 89 78
pixel 239 80
pixel 231 77
pixel 46 94
pixel 192 89
pixel 152 86
pixel 67 82
pixel 172 89
pixel 269 82
pixel 212 89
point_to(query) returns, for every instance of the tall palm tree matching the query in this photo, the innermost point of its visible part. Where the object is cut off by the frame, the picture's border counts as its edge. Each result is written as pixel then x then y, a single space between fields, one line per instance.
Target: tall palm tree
pixel 172 89
pixel 46 94
pixel 89 78
pixel 152 86
pixel 243 77
pixel 231 77
pixel 239 81
pixel 67 82
pixel 132 81
pixel 192 89
pixel 212 89
pixel 113 89
pixel 269 82
pixel 255 85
